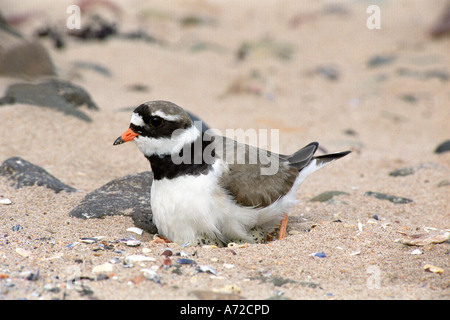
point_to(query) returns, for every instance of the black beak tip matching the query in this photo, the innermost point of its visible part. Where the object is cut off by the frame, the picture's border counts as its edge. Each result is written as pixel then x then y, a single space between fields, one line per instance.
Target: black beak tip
pixel 119 140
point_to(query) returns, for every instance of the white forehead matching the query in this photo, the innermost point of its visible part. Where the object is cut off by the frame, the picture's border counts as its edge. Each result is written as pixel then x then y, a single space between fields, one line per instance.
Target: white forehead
pixel 137 120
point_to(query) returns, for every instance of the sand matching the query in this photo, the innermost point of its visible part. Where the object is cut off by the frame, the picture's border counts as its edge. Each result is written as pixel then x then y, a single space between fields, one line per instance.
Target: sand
pixel 396 117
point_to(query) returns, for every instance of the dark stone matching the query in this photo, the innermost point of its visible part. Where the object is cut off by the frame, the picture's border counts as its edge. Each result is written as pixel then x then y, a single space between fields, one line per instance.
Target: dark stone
pixel 443 183
pixel 380 60
pixel 95 28
pixel 410 98
pixel 60 95
pixel 443 147
pixel 129 195
pixel 328 72
pixel 391 198
pixel 403 172
pixel 327 195
pixel 20 57
pixel 25 174
pixel 439 74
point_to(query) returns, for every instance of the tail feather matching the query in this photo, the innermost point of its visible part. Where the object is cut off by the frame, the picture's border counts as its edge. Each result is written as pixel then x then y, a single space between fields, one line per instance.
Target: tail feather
pixel 328 158
pixel 305 156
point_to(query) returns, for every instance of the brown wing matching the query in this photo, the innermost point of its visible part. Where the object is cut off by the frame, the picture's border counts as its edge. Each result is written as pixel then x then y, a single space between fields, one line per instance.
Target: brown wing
pixel 244 181
pixel 251 189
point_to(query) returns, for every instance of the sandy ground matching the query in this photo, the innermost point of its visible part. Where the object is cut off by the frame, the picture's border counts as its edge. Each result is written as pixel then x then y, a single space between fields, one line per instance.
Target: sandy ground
pixel 391 130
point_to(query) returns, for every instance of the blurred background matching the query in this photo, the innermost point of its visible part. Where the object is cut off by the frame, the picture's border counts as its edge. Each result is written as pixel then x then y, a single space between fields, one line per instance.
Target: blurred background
pixel 315 70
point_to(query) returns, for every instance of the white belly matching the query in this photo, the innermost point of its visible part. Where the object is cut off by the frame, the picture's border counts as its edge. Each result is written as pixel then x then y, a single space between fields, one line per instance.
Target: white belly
pixel 188 207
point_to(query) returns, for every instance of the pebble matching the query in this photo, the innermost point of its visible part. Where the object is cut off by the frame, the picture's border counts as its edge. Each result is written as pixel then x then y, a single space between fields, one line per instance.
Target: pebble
pixel 71 245
pixel 146 250
pixel 443 147
pixel 433 269
pixel 114 260
pixel 379 60
pixel 89 240
pixel 443 183
pixel 103 268
pixel 130 193
pixel 133 243
pixel 327 195
pixel 185 261
pixel 151 275
pixel 329 72
pixel 138 258
pixel 402 172
pixel 58 95
pixel 391 198
pixel 167 252
pixel 135 230
pixel 425 239
pixel 25 174
pixel 319 255
pixel 417 252
pixel 206 269
pixel 23 252
pixel 5 201
pixel 17 227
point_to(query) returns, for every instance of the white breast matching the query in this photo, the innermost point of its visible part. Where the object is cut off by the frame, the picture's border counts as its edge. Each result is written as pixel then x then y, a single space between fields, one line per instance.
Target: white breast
pixel 188 207
pixel 182 207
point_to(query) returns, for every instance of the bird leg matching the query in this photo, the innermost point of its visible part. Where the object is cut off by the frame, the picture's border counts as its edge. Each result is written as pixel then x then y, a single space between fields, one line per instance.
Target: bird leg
pixel 283 227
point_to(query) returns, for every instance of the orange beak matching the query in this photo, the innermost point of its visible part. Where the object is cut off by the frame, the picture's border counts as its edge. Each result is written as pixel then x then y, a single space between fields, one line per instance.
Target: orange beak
pixel 128 135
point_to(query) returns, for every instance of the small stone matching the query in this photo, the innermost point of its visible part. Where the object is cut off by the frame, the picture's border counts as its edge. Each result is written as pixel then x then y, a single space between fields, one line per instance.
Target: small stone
pixel 443 147
pixel 206 269
pixel 105 268
pixel 133 243
pixel 380 60
pixel 151 275
pixel 402 172
pixel 135 230
pixel 410 98
pixel 319 255
pixel 59 95
pixel 330 73
pixel 167 252
pixel 5 201
pixel 433 269
pixel 185 261
pixel 443 183
pixel 17 227
pixel 23 252
pixel 25 174
pixel 128 195
pixel 416 252
pixel 391 198
pixel 51 288
pixel 327 195
pixel 138 258
pixel 425 239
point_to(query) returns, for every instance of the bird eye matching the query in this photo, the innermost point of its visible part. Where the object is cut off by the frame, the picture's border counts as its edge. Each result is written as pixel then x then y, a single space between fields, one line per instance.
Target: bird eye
pixel 156 122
